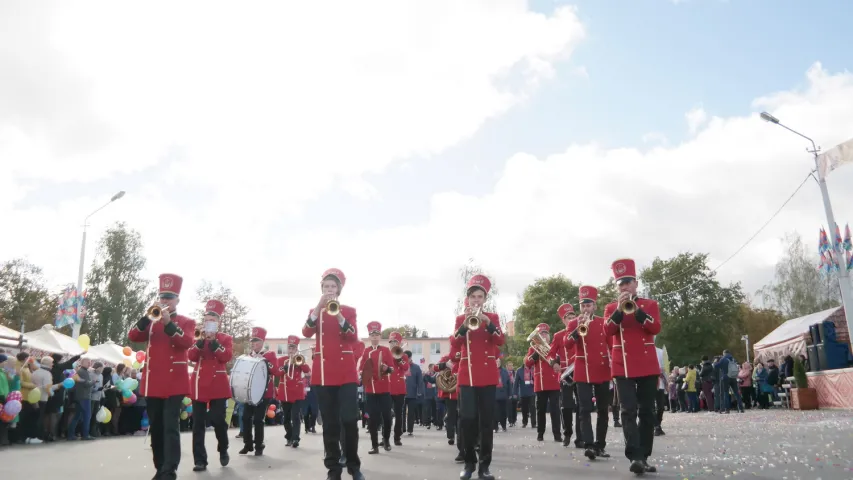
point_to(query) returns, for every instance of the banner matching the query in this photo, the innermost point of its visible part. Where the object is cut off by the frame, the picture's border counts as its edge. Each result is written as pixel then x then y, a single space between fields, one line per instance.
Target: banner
pixel 66 309
pixel 834 158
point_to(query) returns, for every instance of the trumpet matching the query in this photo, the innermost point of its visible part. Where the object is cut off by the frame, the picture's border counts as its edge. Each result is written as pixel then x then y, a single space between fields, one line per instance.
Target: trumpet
pixel 333 307
pixel 472 321
pixel 156 312
pixel 583 325
pixel 197 334
pixel 629 306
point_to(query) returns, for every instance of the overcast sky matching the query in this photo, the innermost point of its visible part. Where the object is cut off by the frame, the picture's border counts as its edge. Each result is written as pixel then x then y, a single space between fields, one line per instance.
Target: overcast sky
pixel 261 143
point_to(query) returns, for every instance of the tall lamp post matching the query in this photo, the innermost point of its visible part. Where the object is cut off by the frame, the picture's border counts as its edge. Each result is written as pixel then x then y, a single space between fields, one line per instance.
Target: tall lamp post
pixel 76 327
pixel 745 339
pixel 843 274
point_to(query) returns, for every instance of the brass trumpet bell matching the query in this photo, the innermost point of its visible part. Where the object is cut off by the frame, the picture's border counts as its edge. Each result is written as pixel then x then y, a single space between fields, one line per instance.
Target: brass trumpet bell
pixel 299 360
pixel 583 329
pixel 397 352
pixel 155 313
pixel 628 307
pixel 472 321
pixel 539 344
pixel 333 307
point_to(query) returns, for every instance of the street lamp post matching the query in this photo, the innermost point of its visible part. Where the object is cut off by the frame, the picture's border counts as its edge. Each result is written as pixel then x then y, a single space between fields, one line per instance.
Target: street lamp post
pixel 745 339
pixel 843 274
pixel 77 325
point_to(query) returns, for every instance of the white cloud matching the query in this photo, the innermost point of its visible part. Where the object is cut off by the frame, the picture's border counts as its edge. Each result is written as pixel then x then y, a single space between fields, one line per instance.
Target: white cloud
pixel 695 119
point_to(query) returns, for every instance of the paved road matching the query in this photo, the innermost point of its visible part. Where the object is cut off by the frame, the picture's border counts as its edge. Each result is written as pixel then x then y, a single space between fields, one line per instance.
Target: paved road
pixel 776 444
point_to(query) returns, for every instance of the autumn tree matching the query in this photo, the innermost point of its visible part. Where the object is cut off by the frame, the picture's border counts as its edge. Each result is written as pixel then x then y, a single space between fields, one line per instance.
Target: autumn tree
pixel 234 320
pixel 24 299
pixel 699 315
pixel 406 330
pixel 798 287
pixel 118 295
pixel 757 323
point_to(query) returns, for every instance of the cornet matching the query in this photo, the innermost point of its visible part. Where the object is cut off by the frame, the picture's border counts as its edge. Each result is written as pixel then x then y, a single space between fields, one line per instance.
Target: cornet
pixel 333 307
pixel 155 313
pixel 472 321
pixel 583 327
pixel 629 306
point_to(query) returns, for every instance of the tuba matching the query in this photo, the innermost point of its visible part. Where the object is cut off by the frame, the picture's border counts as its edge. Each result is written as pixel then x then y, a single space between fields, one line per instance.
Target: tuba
pixel 629 306
pixel 446 381
pixel 472 321
pixel 333 307
pixel 539 344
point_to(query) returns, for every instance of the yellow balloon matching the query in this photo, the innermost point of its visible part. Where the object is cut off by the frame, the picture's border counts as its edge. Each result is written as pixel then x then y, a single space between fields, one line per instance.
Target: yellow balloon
pixel 184 415
pixel 108 417
pixel 34 396
pixel 84 341
pixel 127 362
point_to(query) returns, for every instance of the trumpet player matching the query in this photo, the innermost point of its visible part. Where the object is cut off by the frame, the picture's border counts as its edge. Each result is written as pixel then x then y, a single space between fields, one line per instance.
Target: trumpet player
pixel 334 375
pixel 165 381
pixel 561 356
pixel 546 385
pixel 592 371
pixel 376 366
pixel 293 368
pixel 209 386
pixel 398 386
pixel 633 323
pixel 477 333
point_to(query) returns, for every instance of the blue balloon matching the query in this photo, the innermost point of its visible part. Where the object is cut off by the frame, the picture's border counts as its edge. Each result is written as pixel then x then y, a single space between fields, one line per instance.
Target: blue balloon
pixel 126 393
pixel 189 409
pixel 68 383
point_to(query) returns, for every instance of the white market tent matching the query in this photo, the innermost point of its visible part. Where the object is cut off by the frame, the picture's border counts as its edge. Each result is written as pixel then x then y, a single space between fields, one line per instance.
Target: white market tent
pixel 8 332
pixel 48 340
pixel 792 337
pixel 110 353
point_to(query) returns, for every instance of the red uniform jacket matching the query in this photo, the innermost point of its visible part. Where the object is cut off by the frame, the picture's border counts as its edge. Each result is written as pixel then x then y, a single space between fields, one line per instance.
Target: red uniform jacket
pixel 559 348
pixel 477 366
pixel 272 370
pixel 398 376
pixel 592 362
pixel 291 387
pixel 545 378
pixel 633 353
pixel 378 356
pixel 209 380
pixel 165 372
pixel 334 362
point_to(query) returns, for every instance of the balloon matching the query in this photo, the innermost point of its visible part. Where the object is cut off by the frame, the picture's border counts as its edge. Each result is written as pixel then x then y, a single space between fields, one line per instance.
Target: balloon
pixel 187 401
pixel 109 417
pixel 140 357
pixel 34 396
pixel 126 351
pixel 270 413
pixel 13 407
pixel 184 416
pixel 272 407
pixel 127 363
pixel 137 365
pixel 132 399
pixel 16 395
pixel 120 384
pixel 127 393
pixel 84 341
pixel 189 409
pixel 132 383
pixel 101 415
pixel 68 383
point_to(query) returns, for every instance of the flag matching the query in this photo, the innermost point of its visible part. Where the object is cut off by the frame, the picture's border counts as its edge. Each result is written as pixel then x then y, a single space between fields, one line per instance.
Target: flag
pixel 67 307
pixel 834 158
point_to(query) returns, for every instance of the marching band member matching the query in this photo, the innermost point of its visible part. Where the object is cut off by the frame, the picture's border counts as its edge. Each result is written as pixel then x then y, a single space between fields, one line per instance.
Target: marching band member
pixel 592 371
pixel 253 415
pixel 165 380
pixel 334 375
pixel 546 385
pixel 377 363
pixel 451 420
pixel 398 388
pixel 633 332
pixel 209 386
pixel 566 355
pixel 291 390
pixel 478 376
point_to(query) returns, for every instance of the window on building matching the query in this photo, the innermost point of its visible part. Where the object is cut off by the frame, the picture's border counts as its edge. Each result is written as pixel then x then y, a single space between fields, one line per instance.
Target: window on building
pixel 266 346
pixel 435 348
pixel 417 349
pixel 280 349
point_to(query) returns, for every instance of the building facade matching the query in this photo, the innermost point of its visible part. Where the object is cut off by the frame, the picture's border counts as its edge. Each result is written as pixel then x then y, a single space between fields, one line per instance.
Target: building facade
pixel 430 350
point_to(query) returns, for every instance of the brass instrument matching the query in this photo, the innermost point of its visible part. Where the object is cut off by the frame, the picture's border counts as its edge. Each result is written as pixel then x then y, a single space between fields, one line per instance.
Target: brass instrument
pixel 397 351
pixel 629 306
pixel 472 321
pixel 583 325
pixel 197 334
pixel 299 360
pixel 333 307
pixel 539 344
pixel 446 381
pixel 155 313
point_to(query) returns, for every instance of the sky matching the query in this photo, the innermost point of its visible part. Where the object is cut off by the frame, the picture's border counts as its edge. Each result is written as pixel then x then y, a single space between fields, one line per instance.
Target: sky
pixel 396 140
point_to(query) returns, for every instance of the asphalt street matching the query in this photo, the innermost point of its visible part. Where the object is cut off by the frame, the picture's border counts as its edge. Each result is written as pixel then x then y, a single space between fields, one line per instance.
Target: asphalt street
pixel 774 444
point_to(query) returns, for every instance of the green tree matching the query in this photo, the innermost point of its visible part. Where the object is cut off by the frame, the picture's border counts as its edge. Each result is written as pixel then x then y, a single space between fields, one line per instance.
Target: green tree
pixel 798 288
pixel 24 299
pixel 757 324
pixel 118 295
pixel 540 301
pixel 234 320
pixel 407 331
pixel 699 316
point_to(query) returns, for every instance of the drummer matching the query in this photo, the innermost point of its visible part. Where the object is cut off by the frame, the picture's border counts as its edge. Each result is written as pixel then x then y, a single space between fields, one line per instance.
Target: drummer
pixel 253 415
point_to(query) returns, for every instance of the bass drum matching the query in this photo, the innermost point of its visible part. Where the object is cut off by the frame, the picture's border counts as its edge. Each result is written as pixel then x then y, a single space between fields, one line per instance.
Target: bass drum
pixel 249 379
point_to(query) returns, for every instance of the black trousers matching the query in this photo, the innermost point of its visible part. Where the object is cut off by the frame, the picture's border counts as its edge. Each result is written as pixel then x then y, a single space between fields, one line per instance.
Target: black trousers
pixel 398 401
pixel 601 392
pixel 339 409
pixel 451 422
pixel 615 403
pixel 164 417
pixel 413 412
pixel 526 403
pixel 477 409
pixel 660 403
pixel 637 396
pixel 253 423
pixel 513 411
pixel 216 416
pixel 379 411
pixel 500 414
pixel 569 407
pixel 428 415
pixel 291 419
pixel 543 399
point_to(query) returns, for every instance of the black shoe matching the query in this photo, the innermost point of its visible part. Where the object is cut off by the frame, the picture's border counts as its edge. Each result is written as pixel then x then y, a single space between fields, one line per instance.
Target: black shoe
pixel 409 434
pixel 398 442
pixel 387 446
pixel 357 475
pixel 659 431
pixel 467 472
pixel 485 474
pixel 637 467
pixel 382 443
pixel 590 453
pixel 239 435
pixel 558 438
pixel 459 459
pixel 579 444
pixel 342 461
pixel 567 441
pixel 540 438
pixel 450 441
pixel 295 444
pixel 246 449
pixel 649 468
pixel 373 451
pixel 259 450
pixel 199 467
pixel 333 475
pixel 224 458
pixel 289 443
pixel 601 453
pixel 616 424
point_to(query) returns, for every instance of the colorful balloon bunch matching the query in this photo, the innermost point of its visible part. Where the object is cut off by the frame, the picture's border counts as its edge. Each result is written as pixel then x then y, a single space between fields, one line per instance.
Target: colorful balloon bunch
pixel 10 410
